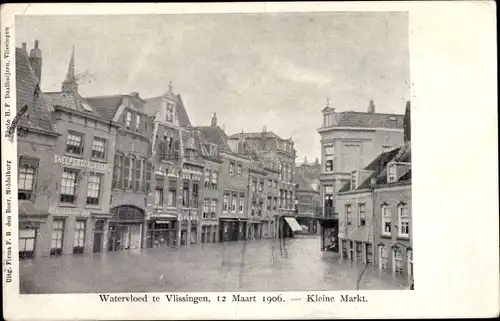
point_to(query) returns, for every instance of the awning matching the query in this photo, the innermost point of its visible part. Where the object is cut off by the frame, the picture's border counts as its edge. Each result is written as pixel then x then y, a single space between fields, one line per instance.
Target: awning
pixel 294 225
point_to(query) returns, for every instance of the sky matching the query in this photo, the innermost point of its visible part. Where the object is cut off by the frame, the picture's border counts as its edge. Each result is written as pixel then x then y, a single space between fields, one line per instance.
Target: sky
pixel 252 70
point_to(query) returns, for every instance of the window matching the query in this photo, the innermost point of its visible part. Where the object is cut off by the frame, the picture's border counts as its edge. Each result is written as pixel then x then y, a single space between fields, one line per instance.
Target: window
pixel 79 237
pixel 354 181
pixel 138 173
pixel 185 194
pixel 359 252
pixel 117 172
pixel 404 221
pixel 362 215
pixel 128 121
pixel 68 186
pixel 269 183
pixel 386 220
pixel 242 203
pixel 261 186
pixel 348 214
pixel 206 208
pixel 93 188
pixel 254 186
pixel 98 147
pixel 369 254
pixel 409 257
pixel 231 168
pixel 238 169
pixel 253 209
pixel 27 178
pixel 127 168
pixel 195 195
pixel 398 261
pixel 226 202
pixel 213 208
pixel 148 168
pixel 159 192
pixel 172 193
pixel 215 177
pixel 74 143
pixel 27 237
pixel 137 123
pixel 207 177
pixel 233 202
pixel 269 201
pixel 391 173
pixel 329 156
pixel 56 242
pixel 275 202
pixel 275 184
pixel 384 259
pixel 170 112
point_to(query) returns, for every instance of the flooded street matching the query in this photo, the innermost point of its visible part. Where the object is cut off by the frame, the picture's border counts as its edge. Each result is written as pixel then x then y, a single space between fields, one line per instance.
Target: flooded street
pixel 263 265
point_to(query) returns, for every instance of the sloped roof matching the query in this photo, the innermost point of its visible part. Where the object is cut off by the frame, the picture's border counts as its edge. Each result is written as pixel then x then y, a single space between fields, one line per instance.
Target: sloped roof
pixel 106 106
pixel 213 135
pixel 153 104
pixel 255 135
pixel 370 120
pixel 28 93
pixel 71 100
pixel 379 168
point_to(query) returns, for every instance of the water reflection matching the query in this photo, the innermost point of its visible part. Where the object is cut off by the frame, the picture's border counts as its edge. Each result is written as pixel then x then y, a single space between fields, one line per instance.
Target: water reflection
pixel 263 265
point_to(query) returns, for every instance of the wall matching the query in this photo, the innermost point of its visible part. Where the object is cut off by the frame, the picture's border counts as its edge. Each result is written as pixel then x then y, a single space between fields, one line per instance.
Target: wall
pixel 355 231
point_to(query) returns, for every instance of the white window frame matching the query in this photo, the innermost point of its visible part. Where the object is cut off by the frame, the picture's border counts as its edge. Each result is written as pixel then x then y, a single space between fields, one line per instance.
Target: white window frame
pixel 128 120
pixel 234 200
pixel 329 151
pixel 386 218
pixel 225 204
pixel 391 173
pixel 79 235
pixel 361 206
pixel 242 204
pixel 137 122
pixel 348 214
pixel 383 257
pixel 403 221
pixel 69 185
pixel 96 146
pixel 94 188
pixel 397 268
pixel 75 137
pixel 231 168
pixel 409 258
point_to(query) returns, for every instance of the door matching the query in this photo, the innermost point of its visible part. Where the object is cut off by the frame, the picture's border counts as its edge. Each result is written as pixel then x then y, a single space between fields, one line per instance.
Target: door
pixel 134 236
pixel 97 242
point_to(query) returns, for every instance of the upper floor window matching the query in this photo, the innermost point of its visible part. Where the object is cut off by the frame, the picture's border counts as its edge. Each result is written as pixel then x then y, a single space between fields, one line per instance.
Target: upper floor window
pixel 207 177
pixel 215 177
pixel 362 215
pixel 170 112
pixel 74 143
pixel 98 148
pixel 329 156
pixel 206 208
pixel 231 168
pixel 225 205
pixel 137 123
pixel 348 213
pixel 242 202
pixel 93 188
pixel 27 178
pixel 386 220
pixel 158 196
pixel 354 181
pixel 238 169
pixel 213 208
pixel 391 177
pixel 68 186
pixel 404 221
pixel 128 120
pixel 233 202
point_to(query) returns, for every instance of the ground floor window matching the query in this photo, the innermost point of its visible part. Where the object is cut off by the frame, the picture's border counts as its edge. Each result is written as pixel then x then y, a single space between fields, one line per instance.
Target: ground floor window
pixel 409 256
pixel 384 259
pixel 369 253
pixel 351 250
pixel 56 242
pixel 27 238
pixel 160 234
pixel 398 261
pixel 345 254
pixel 79 237
pixel 359 252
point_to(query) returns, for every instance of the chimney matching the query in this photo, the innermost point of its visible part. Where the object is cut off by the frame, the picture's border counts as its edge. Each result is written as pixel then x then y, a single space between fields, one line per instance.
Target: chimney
pixel 371 107
pixel 24 47
pixel 214 120
pixel 36 60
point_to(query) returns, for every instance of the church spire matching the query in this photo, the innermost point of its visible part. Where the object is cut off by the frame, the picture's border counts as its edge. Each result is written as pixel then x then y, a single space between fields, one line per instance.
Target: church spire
pixel 70 84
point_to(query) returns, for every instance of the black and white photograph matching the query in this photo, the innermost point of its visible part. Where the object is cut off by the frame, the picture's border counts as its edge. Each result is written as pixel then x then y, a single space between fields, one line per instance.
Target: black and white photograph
pixel 224 152
pixel 225 159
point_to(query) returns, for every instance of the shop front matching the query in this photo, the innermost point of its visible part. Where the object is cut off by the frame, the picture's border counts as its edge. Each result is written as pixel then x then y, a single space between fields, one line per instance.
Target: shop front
pixel 162 233
pixel 232 230
pixel 126 228
pixel 329 235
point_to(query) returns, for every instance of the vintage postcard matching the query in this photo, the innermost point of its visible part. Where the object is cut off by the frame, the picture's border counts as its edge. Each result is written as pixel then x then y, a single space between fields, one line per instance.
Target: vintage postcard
pixel 249 161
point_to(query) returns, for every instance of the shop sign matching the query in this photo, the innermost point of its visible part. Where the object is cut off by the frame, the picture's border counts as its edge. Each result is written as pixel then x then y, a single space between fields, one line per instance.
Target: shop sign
pixel 68 211
pixel 82 163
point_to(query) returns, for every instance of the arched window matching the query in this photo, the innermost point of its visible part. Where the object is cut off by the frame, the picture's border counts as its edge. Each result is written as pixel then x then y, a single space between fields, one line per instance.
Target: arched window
pixel 397 260
pixel 386 220
pixel 127 213
pixel 383 257
pixel 403 220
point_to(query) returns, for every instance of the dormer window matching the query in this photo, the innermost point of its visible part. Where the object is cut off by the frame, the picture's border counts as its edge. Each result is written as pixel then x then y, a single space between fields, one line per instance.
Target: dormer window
pixel 354 180
pixel 213 150
pixel 170 112
pixel 392 118
pixel 128 120
pixel 391 173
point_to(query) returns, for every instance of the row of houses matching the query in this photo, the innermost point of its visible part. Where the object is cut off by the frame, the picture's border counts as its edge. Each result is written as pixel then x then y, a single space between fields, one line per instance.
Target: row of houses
pixel 366 187
pixel 118 172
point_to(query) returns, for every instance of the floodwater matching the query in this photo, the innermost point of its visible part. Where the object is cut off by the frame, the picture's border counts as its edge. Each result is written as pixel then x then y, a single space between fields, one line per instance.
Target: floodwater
pixel 263 265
